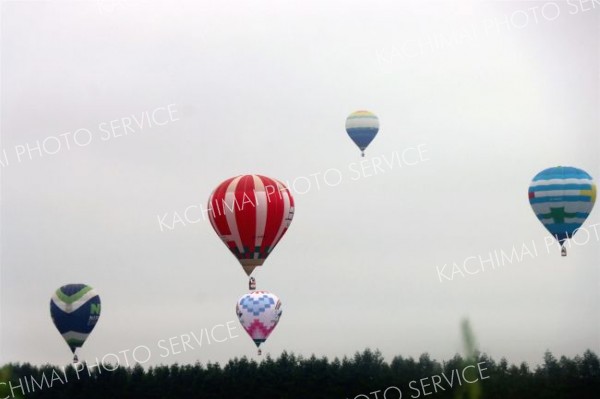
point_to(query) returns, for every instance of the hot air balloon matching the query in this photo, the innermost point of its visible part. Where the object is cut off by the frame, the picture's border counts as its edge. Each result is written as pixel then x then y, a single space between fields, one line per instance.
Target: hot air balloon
pixel 75 310
pixel 362 127
pixel 259 313
pixel 562 198
pixel 250 213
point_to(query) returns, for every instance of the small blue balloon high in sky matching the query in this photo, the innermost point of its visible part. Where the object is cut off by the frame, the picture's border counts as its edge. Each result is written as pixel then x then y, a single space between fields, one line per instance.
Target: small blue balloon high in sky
pixel 362 127
pixel 562 198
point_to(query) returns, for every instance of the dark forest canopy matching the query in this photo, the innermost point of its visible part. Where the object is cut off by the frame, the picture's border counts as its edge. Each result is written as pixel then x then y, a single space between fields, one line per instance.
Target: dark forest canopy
pixel 365 375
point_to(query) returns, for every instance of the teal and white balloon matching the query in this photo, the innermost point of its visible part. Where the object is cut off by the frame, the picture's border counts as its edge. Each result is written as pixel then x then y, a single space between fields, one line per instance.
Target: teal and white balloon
pixel 562 198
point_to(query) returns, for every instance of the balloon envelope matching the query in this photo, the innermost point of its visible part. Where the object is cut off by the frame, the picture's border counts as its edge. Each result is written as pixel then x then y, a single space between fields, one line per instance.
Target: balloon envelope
pixel 75 310
pixel 250 213
pixel 362 127
pixel 259 313
pixel 562 198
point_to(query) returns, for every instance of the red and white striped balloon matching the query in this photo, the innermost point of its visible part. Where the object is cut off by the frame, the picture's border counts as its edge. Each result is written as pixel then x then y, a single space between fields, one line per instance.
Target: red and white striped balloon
pixel 250 213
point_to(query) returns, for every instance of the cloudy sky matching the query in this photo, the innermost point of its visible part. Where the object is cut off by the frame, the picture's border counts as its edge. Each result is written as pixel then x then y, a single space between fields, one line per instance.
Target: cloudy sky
pixel 117 117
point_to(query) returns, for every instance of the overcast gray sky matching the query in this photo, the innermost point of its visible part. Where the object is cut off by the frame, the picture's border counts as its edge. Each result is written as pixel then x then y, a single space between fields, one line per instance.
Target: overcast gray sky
pixel 491 92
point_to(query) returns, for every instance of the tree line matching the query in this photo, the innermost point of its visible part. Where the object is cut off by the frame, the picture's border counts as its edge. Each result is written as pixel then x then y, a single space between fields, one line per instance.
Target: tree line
pixel 365 375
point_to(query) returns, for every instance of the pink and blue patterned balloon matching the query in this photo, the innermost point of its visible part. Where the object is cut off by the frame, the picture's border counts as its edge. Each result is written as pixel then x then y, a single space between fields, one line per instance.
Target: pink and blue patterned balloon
pixel 259 313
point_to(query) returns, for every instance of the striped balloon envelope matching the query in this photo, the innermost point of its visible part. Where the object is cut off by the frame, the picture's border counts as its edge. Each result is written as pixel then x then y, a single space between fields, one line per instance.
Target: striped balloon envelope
pixel 251 213
pixel 259 313
pixel 75 310
pixel 562 198
pixel 362 127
